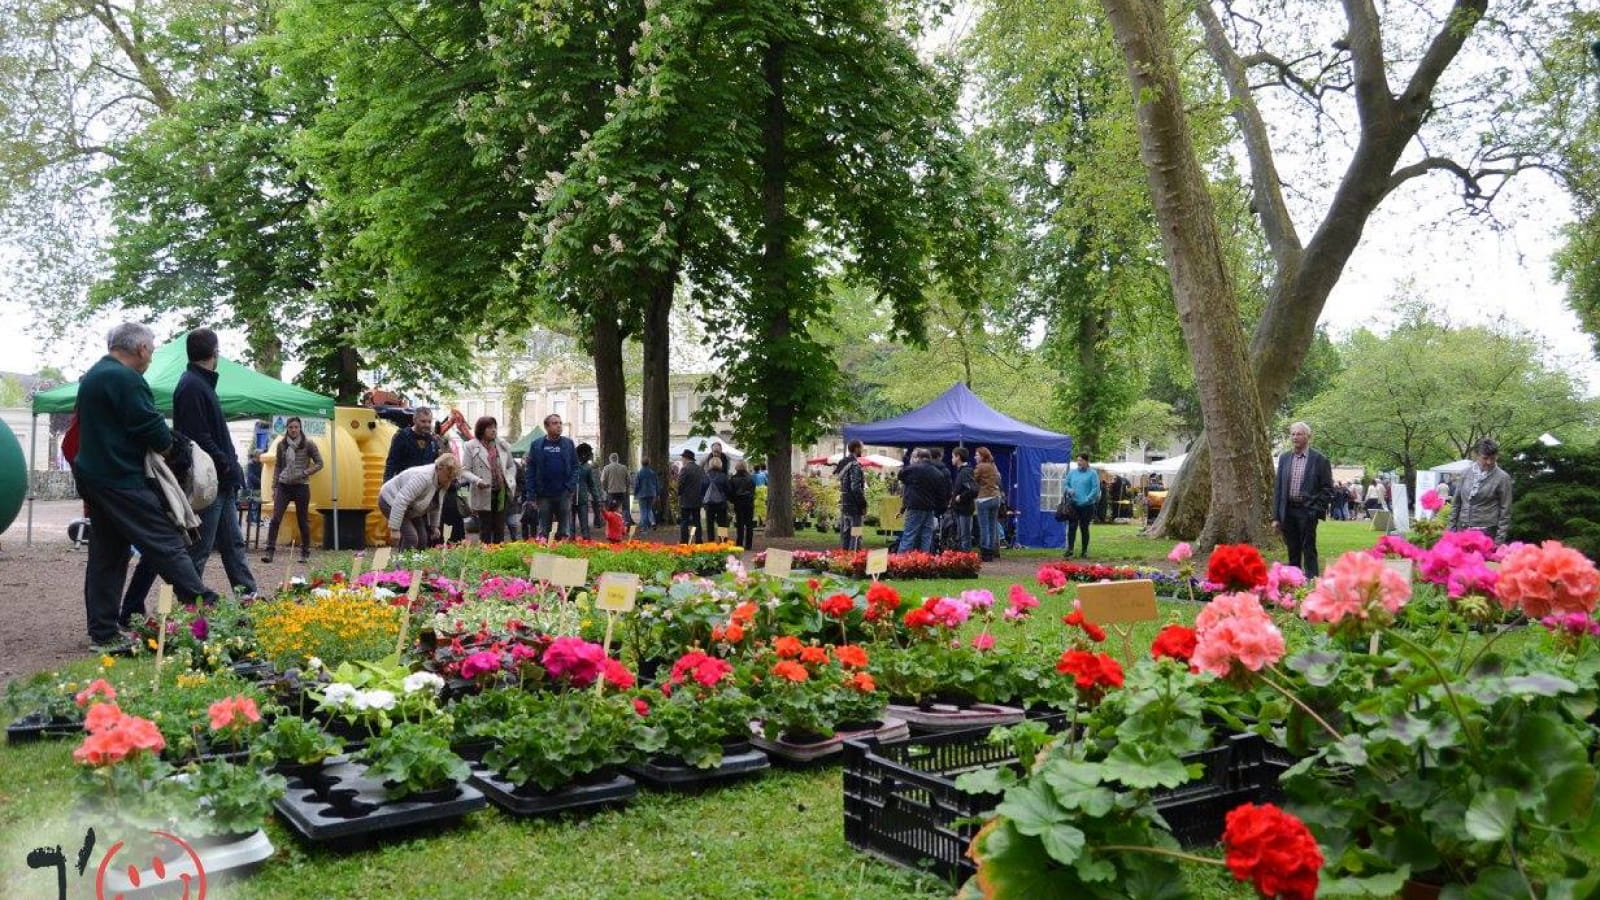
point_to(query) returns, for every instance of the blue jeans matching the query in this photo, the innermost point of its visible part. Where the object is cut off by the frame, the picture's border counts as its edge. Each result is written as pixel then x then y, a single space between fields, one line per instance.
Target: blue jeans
pixel 219 530
pixel 647 512
pixel 989 523
pixel 919 531
pixel 963 532
pixel 555 510
pixel 847 521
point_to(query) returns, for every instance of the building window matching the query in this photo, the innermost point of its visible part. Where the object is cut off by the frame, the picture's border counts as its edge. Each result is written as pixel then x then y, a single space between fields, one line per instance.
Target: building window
pixel 559 407
pixel 1052 484
pixel 588 411
pixel 680 408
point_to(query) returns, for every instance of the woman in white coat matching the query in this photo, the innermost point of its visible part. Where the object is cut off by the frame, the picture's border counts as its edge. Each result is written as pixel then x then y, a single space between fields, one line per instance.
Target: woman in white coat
pixel 488 459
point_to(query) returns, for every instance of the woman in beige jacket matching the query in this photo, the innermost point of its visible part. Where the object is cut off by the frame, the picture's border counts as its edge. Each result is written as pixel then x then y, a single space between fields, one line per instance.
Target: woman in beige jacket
pixel 487 458
pixel 410 501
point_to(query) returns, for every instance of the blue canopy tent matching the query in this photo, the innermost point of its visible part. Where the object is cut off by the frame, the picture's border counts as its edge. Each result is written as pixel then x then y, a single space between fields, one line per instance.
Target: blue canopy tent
pixel 958 418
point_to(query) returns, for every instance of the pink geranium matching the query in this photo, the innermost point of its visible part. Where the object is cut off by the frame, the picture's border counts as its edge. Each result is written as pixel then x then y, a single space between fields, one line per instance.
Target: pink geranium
pixel 1357 586
pixel 1181 553
pixel 1455 550
pixel 1392 546
pixel 1431 501
pixel 978 599
pixel 951 612
pixel 233 712
pixel 1020 604
pixel 982 641
pixel 480 663
pixel 1051 579
pixel 1548 578
pixel 1283 581
pixel 574 660
pixel 1234 630
pixel 97 688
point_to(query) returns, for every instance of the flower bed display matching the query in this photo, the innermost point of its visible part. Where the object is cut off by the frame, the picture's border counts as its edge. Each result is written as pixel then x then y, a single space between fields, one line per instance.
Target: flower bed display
pixel 904 566
pixel 642 558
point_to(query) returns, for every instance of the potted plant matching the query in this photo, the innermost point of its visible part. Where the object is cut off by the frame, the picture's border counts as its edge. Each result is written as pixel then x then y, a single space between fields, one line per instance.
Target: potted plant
pixel 552 744
pixel 413 761
pixel 698 714
pixel 297 748
pixel 229 801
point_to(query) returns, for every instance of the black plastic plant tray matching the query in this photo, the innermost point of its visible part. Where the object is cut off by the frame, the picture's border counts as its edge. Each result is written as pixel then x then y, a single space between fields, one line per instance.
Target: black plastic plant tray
pixel 36 726
pixel 901 803
pixel 662 774
pixel 530 801
pixel 320 810
pixel 829 750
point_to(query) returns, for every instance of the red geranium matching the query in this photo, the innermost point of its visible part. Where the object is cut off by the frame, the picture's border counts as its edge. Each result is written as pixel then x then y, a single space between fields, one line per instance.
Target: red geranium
pixel 919 618
pixel 787 646
pixel 616 674
pixel 1174 642
pixel 1091 670
pixel 850 656
pixel 838 605
pixel 1094 632
pixel 1237 567
pixel 705 670
pixel 814 656
pixel 791 670
pixel 1273 850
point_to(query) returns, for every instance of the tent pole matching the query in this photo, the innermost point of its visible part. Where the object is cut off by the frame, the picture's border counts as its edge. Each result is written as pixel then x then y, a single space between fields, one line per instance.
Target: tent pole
pixel 333 452
pixel 33 447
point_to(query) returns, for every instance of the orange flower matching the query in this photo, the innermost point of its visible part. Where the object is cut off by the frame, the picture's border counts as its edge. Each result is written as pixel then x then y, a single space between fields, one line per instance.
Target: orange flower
pixel 734 632
pixel 745 613
pixel 851 656
pixel 788 646
pixel 814 656
pixel 791 670
pixel 862 682
pixel 97 688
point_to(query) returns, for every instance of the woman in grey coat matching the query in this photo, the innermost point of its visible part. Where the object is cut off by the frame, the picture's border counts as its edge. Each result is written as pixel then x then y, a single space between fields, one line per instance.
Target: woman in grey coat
pixel 1483 496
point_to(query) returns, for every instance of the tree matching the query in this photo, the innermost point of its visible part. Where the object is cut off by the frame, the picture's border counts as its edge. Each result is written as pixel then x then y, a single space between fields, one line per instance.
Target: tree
pixel 1426 392
pixel 1426 110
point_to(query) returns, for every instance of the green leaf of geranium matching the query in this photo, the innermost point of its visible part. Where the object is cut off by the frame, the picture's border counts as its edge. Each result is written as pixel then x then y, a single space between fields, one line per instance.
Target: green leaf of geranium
pixel 1383 885
pixel 986 781
pixel 1539 684
pixel 1077 786
pixel 1320 667
pixel 1012 866
pixel 1570 795
pixel 1138 766
pixel 1492 815
pixel 1063 842
pixel 1031 808
pixel 1499 883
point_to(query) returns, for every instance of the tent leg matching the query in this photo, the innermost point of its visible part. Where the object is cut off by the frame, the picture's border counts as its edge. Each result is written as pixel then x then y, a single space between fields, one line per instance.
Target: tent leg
pixel 333 453
pixel 33 448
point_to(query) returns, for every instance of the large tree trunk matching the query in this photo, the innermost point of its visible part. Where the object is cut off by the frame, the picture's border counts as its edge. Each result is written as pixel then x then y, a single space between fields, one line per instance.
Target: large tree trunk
pixel 775 227
pixel 264 346
pixel 656 395
pixel 1202 287
pixel 1306 274
pixel 611 384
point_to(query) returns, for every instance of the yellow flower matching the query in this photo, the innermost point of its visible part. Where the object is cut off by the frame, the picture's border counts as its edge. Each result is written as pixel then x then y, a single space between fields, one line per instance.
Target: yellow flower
pixel 107 661
pixel 151 642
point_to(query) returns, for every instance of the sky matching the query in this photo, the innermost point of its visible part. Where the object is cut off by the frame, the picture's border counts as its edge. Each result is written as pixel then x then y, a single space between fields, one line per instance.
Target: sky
pixel 1417 244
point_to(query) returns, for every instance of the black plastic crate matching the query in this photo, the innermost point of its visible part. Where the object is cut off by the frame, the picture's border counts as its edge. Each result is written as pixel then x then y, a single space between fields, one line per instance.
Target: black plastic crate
pixel 901 802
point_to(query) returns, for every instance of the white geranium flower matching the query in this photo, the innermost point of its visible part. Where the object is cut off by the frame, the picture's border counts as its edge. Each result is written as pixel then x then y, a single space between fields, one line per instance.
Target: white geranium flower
pixel 417 681
pixel 313 664
pixel 378 699
pixel 383 593
pixel 340 695
pixel 321 593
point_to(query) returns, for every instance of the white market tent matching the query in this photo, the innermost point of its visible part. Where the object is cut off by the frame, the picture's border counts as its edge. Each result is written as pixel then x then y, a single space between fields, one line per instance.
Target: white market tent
pixel 1164 467
pixel 700 446
pixel 1453 468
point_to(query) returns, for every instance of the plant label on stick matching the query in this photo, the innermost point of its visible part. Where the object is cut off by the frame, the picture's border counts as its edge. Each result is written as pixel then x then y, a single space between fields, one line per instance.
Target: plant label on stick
pixel 694 534
pixel 632 530
pixel 877 562
pixel 1118 602
pixel 554 527
pixel 1406 568
pixel 619 592
pixel 288 570
pixel 449 534
pixel 164 609
pixel 164 600
pixel 380 559
pixel 405 614
pixel 569 573
pixel 856 531
pixel 539 569
pixel 779 563
pixel 356 562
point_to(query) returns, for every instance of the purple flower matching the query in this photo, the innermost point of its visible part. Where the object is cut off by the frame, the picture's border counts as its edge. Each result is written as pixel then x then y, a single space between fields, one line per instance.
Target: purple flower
pixel 199 628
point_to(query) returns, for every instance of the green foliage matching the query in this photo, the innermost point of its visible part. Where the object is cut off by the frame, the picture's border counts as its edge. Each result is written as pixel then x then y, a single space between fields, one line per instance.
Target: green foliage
pixel 412 758
pixel 292 739
pixel 693 725
pixel 551 739
pixel 1427 391
pixel 228 798
pixel 179 707
pixel 1557 495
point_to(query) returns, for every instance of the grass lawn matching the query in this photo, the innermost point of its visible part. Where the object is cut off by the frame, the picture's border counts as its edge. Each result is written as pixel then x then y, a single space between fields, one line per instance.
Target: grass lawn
pixel 778 836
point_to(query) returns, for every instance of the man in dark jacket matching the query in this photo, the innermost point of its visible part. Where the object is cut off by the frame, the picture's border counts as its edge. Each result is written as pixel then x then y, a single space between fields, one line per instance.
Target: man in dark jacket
pixel 852 495
pixel 197 412
pixel 1300 497
pixel 119 425
pixel 414 446
pixel 963 498
pixel 552 478
pixel 927 493
pixel 691 492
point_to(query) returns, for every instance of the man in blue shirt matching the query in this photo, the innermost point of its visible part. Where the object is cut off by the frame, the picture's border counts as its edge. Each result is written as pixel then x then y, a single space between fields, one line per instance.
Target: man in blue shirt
pixel 645 488
pixel 552 477
pixel 1083 489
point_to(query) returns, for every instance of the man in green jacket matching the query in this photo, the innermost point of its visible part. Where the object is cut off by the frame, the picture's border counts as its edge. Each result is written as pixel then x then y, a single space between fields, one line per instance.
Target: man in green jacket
pixel 117 425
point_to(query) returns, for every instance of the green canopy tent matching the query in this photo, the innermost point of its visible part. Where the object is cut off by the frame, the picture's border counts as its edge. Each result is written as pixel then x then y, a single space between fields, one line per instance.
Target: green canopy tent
pixel 245 393
pixel 520 448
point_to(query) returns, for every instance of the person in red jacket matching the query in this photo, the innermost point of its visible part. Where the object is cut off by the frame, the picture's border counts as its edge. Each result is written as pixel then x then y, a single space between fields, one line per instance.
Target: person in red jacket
pixel 616 529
